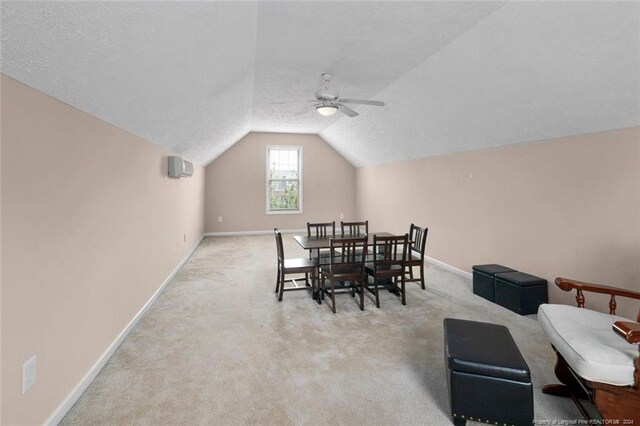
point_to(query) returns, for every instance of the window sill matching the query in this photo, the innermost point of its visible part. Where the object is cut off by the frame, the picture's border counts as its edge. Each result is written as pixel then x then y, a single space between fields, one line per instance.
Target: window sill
pixel 284 212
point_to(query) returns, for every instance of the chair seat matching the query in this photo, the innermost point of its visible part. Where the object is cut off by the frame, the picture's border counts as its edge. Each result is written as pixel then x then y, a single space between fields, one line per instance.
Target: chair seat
pixel 384 269
pixel 411 258
pixel 357 258
pixel 326 254
pixel 586 341
pixel 299 263
pixel 340 271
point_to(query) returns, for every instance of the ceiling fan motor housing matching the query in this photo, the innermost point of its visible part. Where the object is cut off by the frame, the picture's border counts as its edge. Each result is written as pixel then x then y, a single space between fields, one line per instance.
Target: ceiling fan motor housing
pixel 327 95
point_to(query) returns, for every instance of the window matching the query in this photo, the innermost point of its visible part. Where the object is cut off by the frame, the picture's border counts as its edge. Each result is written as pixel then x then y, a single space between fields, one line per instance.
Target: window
pixel 284 179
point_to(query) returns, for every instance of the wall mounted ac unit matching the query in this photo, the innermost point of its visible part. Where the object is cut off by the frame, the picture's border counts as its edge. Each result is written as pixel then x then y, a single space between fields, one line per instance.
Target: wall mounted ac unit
pixel 178 167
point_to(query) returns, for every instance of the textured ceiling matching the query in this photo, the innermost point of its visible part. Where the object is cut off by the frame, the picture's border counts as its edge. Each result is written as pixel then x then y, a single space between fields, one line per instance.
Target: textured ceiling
pixel 195 77
pixel 530 71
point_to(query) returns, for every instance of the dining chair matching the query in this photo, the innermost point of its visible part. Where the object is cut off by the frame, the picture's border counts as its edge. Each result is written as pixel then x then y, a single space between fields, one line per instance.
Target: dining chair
pixel 321 230
pixel 354 229
pixel 346 265
pixel 388 265
pixel 294 266
pixel 415 253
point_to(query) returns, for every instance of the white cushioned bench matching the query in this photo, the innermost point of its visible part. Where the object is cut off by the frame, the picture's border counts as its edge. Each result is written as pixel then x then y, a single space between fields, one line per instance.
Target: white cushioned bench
pixel 585 340
pixel 598 359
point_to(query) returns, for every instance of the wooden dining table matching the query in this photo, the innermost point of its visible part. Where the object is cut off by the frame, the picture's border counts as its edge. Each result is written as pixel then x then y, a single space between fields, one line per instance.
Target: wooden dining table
pixel 317 243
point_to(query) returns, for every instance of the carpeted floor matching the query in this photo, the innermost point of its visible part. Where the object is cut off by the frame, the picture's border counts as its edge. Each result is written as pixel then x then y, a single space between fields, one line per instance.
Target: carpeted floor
pixel 217 348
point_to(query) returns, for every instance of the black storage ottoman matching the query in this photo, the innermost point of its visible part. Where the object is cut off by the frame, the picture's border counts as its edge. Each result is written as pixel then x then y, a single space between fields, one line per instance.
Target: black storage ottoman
pixel 522 293
pixel 488 379
pixel 483 276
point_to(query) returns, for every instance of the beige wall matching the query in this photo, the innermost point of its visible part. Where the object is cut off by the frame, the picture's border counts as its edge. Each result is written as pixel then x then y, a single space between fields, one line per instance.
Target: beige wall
pixel 563 207
pixel 1 372
pixel 235 185
pixel 91 229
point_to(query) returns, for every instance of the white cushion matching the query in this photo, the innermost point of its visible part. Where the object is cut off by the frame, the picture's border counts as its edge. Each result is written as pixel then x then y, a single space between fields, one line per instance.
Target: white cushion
pixel 588 343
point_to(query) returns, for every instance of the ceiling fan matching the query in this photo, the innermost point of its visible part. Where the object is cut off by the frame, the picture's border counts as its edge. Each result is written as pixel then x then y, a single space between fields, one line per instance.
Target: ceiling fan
pixel 328 101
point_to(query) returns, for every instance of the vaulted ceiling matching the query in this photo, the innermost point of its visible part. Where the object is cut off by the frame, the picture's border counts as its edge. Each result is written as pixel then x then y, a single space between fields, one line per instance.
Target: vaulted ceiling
pixel 195 77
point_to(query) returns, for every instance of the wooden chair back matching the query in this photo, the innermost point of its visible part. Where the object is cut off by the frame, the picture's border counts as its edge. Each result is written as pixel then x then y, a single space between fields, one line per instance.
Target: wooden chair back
pixel 321 230
pixel 354 229
pixel 279 245
pixel 417 239
pixel 348 255
pixel 391 253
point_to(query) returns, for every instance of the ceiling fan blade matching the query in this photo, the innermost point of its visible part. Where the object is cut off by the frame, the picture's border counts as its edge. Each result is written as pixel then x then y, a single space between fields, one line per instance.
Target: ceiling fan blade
pixel 291 102
pixel 347 110
pixel 306 110
pixel 362 102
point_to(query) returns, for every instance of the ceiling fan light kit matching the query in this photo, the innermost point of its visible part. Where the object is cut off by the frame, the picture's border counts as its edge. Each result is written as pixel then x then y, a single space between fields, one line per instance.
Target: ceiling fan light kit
pixel 326 110
pixel 329 101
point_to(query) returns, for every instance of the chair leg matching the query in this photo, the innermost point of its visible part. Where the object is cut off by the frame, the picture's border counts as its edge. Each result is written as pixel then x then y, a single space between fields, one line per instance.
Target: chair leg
pixel 569 386
pixel 315 285
pixel 404 301
pixel 422 275
pixel 278 279
pixel 311 284
pixel 375 288
pixel 333 295
pixel 362 293
pixel 281 285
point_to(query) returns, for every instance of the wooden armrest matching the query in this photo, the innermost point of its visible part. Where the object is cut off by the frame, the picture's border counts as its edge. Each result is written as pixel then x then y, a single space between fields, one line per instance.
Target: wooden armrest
pixel 629 330
pixel 567 284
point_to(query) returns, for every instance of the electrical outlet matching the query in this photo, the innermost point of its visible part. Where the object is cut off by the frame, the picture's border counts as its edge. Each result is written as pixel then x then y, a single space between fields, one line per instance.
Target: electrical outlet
pixel 28 374
pixel 219 219
pixel 341 216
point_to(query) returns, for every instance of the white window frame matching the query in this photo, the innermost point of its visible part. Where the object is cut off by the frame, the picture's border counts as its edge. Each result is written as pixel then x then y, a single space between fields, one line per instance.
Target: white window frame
pixel 300 174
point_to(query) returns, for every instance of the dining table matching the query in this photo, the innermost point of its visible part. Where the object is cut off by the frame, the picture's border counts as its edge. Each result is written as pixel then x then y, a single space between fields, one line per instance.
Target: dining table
pixel 318 243
pixel 313 243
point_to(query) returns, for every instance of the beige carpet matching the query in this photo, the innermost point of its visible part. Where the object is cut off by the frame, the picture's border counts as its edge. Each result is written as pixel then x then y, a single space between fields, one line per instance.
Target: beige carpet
pixel 217 348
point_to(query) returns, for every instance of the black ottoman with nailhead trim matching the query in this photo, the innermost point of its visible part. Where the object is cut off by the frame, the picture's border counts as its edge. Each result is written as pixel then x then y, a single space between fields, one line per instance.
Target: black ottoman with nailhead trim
pixel 488 379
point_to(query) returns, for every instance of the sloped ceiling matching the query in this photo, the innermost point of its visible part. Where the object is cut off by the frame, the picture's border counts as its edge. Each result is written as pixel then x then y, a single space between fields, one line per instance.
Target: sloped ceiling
pixel 195 77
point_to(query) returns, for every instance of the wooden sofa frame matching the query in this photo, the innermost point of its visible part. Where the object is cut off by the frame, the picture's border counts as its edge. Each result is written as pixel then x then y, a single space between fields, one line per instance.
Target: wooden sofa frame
pixel 621 403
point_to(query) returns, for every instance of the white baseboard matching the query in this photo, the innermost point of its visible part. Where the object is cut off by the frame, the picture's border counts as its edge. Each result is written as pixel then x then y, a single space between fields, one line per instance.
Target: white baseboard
pixel 75 394
pixel 449 267
pixel 304 231
pixel 270 231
